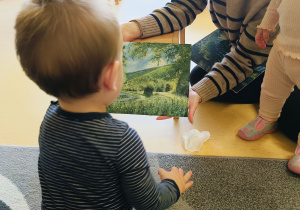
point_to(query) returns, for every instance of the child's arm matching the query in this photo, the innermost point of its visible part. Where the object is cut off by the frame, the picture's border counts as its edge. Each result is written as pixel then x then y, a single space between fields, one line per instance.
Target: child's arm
pixel 271 18
pixel 268 24
pixel 139 186
pixel 143 192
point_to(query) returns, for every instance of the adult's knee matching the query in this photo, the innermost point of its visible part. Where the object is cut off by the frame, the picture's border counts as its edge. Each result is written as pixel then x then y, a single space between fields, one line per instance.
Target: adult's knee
pixel 289 121
pixel 196 75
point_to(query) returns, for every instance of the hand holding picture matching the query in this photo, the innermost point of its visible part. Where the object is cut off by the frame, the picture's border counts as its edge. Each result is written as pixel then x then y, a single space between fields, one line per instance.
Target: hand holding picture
pixel 130 31
pixel 194 100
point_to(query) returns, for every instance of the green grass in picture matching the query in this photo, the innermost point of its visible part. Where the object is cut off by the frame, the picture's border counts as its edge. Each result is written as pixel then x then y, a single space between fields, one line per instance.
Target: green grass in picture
pixel 155 105
pixel 155 80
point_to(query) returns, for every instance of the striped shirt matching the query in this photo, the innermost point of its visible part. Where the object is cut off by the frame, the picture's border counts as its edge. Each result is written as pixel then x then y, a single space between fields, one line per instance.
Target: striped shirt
pixel 238 19
pixel 93 161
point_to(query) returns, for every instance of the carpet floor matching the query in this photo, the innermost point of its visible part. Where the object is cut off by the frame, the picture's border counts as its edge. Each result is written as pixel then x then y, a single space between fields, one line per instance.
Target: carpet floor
pixel 219 182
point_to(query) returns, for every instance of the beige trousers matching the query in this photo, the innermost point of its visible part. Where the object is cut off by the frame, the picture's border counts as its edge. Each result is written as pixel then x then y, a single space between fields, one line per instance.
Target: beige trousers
pixel 281 75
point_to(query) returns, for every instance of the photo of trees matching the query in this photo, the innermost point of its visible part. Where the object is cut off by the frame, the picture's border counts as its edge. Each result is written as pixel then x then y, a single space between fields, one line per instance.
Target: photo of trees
pixel 155 80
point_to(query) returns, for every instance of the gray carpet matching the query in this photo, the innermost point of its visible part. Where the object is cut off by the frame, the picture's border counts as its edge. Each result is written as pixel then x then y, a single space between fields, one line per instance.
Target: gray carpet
pixel 219 182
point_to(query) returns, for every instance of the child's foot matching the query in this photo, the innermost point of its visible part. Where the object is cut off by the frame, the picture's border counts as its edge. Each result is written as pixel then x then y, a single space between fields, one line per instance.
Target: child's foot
pixel 257 128
pixel 294 163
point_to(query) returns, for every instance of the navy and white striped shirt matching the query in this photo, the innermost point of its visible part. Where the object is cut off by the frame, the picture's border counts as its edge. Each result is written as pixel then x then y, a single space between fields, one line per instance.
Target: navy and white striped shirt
pixel 93 161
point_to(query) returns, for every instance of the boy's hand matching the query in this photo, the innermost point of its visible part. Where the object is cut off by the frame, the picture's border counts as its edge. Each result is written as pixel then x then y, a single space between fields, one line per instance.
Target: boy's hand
pixel 194 100
pixel 130 31
pixel 261 37
pixel 182 180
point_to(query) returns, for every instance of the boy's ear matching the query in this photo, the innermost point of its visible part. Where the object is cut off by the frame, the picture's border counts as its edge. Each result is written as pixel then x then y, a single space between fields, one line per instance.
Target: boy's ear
pixel 110 74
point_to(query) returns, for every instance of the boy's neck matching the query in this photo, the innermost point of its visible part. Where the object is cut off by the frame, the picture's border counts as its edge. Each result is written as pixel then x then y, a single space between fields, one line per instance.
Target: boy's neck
pixel 90 103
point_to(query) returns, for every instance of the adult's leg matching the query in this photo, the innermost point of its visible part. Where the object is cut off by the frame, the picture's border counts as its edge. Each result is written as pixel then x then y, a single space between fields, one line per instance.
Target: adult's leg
pixel 250 94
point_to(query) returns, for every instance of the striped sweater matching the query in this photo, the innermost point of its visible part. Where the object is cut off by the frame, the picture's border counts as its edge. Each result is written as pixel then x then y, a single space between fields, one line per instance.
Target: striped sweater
pixel 238 19
pixel 92 161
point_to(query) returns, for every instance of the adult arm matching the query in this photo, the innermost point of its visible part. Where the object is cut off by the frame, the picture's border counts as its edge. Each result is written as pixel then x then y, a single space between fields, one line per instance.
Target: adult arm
pixel 176 15
pixel 237 65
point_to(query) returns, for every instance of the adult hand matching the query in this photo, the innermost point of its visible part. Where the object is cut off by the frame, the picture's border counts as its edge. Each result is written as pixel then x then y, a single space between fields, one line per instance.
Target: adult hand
pixel 182 180
pixel 130 31
pixel 261 37
pixel 194 100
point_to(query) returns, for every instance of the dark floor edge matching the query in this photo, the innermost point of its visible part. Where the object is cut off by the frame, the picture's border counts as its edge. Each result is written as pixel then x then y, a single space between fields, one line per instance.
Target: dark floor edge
pixel 158 153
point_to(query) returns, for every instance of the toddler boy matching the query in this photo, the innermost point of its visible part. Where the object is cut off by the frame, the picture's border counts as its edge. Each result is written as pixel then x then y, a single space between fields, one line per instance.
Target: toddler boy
pixel 88 160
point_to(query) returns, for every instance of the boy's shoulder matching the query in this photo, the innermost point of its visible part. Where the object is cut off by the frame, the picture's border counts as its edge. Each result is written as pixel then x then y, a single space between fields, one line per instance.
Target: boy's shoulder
pixel 92 119
pixel 121 125
pixel 99 125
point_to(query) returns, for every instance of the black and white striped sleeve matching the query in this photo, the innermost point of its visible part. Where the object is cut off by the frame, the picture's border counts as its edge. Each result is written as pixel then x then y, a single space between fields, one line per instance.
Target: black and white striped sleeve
pixel 138 184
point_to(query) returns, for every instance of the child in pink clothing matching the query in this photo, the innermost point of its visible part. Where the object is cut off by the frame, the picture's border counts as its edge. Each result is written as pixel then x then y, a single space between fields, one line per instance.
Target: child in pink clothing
pixel 282 71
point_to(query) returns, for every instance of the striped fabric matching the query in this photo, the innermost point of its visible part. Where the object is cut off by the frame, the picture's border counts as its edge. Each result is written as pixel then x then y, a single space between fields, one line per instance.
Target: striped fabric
pixel 92 161
pixel 238 19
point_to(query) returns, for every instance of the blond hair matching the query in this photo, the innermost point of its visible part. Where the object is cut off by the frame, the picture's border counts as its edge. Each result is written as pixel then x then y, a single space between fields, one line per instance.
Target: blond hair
pixel 63 45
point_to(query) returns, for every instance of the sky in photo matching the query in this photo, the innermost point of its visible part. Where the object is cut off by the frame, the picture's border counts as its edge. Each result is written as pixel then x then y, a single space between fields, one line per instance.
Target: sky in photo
pixel 141 64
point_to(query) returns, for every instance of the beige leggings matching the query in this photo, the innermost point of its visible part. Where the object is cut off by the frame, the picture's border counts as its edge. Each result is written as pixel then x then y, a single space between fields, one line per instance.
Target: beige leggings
pixel 282 74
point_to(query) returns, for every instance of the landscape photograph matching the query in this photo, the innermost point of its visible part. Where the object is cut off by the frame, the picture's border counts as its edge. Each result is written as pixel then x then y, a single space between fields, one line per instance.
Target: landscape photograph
pixel 155 80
